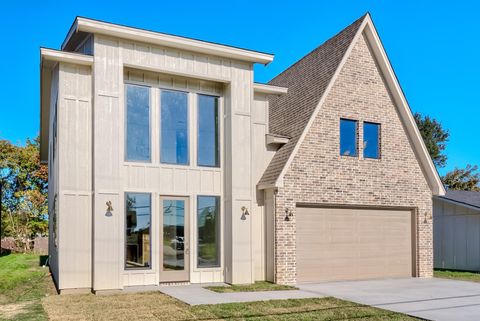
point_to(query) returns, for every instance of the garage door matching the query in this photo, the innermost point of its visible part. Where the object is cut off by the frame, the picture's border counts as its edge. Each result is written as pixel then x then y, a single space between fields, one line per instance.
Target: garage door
pixel 353 244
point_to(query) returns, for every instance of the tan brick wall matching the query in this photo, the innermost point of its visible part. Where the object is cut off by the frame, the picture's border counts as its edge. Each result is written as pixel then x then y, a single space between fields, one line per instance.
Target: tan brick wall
pixel 318 174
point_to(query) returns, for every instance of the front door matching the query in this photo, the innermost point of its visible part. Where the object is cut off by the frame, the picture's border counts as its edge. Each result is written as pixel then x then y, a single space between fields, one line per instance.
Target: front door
pixel 174 243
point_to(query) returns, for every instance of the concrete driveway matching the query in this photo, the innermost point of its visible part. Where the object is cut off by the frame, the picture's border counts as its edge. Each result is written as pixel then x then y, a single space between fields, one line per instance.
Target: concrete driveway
pixel 433 299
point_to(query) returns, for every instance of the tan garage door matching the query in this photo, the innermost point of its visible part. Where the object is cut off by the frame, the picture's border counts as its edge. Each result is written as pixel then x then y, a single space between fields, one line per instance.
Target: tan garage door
pixel 353 244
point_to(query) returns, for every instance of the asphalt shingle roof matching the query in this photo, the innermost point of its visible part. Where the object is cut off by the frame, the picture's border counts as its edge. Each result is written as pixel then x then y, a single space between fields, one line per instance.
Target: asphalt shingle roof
pixel 465 197
pixel 307 81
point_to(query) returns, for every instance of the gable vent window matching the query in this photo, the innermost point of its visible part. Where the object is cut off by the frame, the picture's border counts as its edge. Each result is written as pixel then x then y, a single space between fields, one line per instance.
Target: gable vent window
pixel 371 140
pixel 348 137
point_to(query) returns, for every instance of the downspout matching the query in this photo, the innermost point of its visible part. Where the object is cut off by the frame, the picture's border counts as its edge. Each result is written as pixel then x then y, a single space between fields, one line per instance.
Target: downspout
pixel 275 191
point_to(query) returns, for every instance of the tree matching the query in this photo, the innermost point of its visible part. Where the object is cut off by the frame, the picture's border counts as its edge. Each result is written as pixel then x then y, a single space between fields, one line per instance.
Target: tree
pixel 467 179
pixel 24 191
pixel 435 138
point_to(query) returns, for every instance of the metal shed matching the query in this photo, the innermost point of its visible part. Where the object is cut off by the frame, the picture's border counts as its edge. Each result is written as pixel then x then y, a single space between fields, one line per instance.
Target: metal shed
pixel 456 231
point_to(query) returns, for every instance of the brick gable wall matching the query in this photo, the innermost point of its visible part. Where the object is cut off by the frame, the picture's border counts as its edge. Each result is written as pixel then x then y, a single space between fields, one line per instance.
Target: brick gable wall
pixel 318 174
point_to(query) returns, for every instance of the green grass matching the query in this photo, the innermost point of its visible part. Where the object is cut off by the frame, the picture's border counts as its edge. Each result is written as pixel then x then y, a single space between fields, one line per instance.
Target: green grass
pixel 457 275
pixel 23 283
pixel 257 286
pixel 24 286
pixel 160 307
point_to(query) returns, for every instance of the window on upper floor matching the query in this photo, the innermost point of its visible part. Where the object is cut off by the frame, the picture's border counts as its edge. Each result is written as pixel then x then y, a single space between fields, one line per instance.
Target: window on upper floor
pixel 208 131
pixel 137 123
pixel 348 137
pixel 174 127
pixel 371 140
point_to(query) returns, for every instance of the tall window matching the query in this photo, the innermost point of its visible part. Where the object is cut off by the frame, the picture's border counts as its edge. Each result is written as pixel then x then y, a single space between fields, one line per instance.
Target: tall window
pixel 137 123
pixel 348 137
pixel 174 127
pixel 371 140
pixel 208 233
pixel 137 236
pixel 208 138
pixel 54 222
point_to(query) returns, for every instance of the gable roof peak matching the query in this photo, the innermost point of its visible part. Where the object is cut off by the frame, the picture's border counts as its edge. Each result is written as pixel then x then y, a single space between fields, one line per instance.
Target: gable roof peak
pixel 309 80
pixel 354 26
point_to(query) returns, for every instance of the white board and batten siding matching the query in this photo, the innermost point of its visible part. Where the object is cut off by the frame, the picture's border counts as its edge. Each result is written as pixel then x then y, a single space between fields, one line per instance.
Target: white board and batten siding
pixel 261 157
pixel 113 177
pixel 74 180
pixel 456 236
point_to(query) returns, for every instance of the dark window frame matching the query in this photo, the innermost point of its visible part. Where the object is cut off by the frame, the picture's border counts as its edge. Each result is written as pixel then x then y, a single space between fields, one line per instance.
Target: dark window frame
pixel 379 140
pixel 356 140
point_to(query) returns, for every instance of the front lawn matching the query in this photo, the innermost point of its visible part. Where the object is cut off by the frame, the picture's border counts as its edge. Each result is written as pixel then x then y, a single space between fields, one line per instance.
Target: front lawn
pixel 26 293
pixel 23 283
pixel 158 306
pixel 257 286
pixel 457 275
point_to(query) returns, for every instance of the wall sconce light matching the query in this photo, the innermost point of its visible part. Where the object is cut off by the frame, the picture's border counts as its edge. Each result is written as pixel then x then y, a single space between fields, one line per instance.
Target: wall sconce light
pixel 288 214
pixel 109 209
pixel 428 216
pixel 244 212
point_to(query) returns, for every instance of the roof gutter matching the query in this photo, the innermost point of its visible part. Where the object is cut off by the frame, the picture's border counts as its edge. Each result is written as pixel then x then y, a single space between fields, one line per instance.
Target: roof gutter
pixel 448 200
pixel 63 56
pixel 269 89
pixel 157 38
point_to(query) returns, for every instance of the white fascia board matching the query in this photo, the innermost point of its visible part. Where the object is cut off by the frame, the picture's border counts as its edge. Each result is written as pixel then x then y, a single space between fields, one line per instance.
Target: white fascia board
pixel 430 170
pixel 421 151
pixel 279 182
pixel 114 30
pixel 273 139
pixel 265 186
pixel 269 89
pixel 63 56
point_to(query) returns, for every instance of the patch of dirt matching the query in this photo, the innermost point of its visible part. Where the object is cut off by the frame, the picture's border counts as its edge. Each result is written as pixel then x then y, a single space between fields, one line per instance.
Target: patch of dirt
pixel 3 299
pixel 8 311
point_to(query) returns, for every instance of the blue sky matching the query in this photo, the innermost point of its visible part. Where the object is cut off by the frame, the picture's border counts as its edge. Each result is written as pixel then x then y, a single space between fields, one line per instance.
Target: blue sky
pixel 433 46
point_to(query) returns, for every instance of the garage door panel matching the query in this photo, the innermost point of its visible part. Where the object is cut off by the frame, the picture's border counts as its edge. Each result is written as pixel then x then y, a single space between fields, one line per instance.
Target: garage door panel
pixel 348 244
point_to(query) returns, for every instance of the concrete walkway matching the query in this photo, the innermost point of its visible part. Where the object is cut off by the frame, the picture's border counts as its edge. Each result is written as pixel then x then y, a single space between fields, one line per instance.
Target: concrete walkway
pixel 195 294
pixel 432 298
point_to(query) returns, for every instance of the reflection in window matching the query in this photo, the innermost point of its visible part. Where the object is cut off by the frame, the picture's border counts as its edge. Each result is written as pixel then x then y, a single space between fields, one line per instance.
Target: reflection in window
pixel 137 238
pixel 208 138
pixel 174 127
pixel 371 140
pixel 137 123
pixel 173 235
pixel 54 221
pixel 208 224
pixel 348 137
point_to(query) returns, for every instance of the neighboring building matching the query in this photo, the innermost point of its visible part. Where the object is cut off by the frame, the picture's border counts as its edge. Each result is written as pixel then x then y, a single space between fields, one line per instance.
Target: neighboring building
pixel 168 163
pixel 456 227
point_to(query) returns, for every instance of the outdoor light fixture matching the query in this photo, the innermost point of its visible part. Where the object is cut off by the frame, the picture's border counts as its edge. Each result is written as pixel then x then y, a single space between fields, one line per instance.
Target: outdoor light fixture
pixel 244 212
pixel 288 214
pixel 427 216
pixel 109 209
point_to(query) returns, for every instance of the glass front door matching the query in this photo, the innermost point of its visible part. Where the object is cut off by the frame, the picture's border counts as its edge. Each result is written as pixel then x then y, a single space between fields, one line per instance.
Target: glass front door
pixel 174 247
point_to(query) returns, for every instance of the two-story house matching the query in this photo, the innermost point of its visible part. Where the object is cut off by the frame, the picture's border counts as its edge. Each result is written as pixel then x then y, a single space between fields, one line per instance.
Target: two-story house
pixel 168 163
